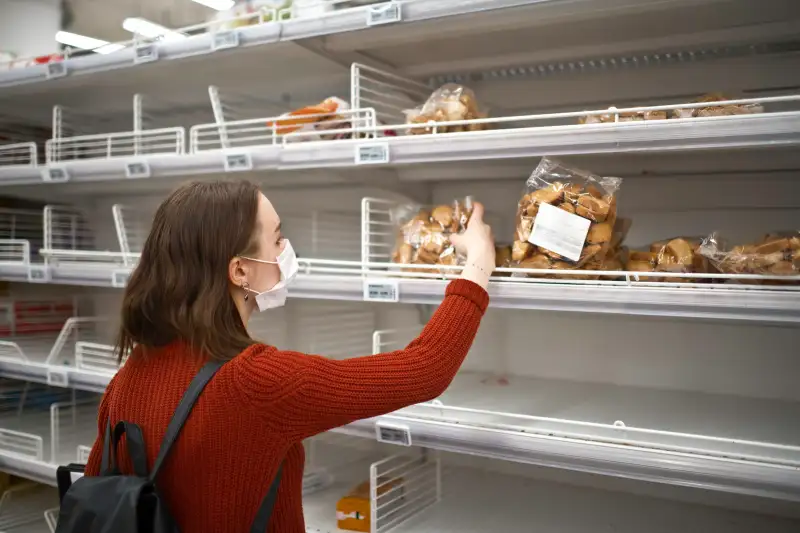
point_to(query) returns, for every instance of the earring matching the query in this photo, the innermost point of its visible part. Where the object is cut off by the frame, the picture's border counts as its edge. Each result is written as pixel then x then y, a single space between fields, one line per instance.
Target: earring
pixel 246 288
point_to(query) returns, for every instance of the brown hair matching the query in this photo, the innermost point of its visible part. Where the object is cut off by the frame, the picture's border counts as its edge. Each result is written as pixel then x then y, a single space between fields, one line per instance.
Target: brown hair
pixel 180 288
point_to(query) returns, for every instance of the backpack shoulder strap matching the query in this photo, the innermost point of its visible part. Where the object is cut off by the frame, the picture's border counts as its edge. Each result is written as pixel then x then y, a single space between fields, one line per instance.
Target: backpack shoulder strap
pixel 265 511
pixel 182 412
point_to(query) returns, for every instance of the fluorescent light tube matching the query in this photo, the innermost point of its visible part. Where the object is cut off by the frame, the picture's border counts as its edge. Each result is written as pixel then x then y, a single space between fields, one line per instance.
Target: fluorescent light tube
pixel 151 30
pixel 219 5
pixel 87 43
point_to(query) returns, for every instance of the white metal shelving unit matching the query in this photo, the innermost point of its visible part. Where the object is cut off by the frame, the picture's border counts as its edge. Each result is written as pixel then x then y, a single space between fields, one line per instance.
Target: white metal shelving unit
pixel 681 384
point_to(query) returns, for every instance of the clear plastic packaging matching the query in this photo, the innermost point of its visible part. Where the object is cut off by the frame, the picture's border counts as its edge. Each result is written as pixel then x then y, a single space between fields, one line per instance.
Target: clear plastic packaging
pixel 324 121
pixel 423 235
pixel 776 254
pixel 566 219
pixel 716 111
pixel 448 103
pixel 678 255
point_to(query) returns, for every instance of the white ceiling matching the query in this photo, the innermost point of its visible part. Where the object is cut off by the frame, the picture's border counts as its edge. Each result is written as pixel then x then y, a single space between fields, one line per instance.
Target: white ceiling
pixel 103 18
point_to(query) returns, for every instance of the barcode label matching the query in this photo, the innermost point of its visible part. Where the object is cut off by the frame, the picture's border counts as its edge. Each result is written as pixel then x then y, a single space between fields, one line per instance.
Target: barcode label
pixel 145 53
pixel 372 154
pixel 559 231
pixel 384 290
pixel 225 39
pixel 384 14
pixel 38 274
pixel 55 174
pixel 119 278
pixel 393 433
pixel 137 169
pixel 238 162
pixel 56 69
pixel 57 377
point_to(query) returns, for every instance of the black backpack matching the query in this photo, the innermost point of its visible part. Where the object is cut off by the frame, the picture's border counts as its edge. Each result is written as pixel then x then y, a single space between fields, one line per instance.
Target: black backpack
pixel 116 503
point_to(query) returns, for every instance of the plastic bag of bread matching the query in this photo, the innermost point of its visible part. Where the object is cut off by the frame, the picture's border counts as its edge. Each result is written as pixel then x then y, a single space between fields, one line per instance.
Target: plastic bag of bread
pixel 502 258
pixel 678 255
pixel 327 120
pixel 566 218
pixel 615 259
pixel 423 235
pixel 776 254
pixel 448 103
pixel 718 110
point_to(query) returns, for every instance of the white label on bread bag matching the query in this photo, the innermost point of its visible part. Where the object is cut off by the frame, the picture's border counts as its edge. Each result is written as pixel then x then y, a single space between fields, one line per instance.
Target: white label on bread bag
pixel 559 231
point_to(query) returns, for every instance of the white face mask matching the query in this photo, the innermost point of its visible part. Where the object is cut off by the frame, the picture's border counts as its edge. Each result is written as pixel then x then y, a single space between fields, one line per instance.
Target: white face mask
pixel 276 296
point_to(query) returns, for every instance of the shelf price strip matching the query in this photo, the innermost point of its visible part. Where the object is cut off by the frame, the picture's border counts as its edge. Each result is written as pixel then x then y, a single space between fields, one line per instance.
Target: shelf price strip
pixel 57 377
pixel 381 290
pixel 145 53
pixel 55 174
pixel 137 169
pixel 240 162
pixel 56 69
pixel 119 278
pixel 372 154
pixel 225 39
pixel 387 13
pixel 393 433
pixel 38 274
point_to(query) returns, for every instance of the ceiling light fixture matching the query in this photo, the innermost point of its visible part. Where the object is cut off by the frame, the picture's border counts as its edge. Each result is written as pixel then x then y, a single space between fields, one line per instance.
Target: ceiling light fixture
pixel 87 43
pixel 219 5
pixel 151 30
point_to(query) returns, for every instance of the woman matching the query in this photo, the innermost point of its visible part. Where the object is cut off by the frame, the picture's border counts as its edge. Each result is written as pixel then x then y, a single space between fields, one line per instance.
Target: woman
pixel 215 255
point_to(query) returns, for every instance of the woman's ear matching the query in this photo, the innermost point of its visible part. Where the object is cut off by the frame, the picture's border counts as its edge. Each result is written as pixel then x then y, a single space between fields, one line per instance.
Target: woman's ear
pixel 237 272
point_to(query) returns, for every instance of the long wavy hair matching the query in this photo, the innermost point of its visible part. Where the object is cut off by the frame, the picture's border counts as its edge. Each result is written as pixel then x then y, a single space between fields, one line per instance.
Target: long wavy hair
pixel 180 288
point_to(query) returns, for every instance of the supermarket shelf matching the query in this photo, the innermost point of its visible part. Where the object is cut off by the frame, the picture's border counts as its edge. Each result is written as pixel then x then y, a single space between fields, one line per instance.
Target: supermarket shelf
pixel 517 137
pixel 768 130
pixel 587 441
pixel 346 280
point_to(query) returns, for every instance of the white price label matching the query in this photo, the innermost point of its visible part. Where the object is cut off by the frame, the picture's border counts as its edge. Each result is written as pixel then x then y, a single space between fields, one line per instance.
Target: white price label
pixel 559 231
pixel 393 433
pixel 55 174
pixel 372 154
pixel 225 39
pixel 145 53
pixel 56 69
pixel 238 162
pixel 57 377
pixel 386 13
pixel 38 274
pixel 137 169
pixel 381 290
pixel 119 278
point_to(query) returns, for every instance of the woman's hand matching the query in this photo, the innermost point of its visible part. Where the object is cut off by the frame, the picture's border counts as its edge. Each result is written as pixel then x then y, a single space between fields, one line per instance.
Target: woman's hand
pixel 477 243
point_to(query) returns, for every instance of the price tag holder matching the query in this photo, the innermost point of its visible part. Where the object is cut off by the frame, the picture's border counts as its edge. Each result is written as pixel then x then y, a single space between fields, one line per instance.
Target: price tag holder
pixel 56 69
pixel 55 174
pixel 372 154
pixel 225 39
pixel 387 13
pixel 119 278
pixel 239 162
pixel 145 53
pixel 137 169
pixel 57 377
pixel 393 433
pixel 38 274
pixel 381 290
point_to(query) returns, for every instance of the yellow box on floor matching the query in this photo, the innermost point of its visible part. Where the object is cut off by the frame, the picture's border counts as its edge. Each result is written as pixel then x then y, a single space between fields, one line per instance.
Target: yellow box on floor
pixel 353 511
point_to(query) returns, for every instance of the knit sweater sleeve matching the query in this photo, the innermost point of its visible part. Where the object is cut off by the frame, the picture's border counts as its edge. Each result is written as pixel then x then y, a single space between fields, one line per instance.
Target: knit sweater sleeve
pixel 303 395
pixel 95 456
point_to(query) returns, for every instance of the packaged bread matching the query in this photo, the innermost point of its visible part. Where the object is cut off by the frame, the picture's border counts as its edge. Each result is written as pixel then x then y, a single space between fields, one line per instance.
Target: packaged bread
pixel 328 120
pixel 716 110
pixel 566 219
pixel 502 258
pixel 615 259
pixel 353 511
pixel 775 254
pixel 450 102
pixel 678 255
pixel 423 234
pixel 631 116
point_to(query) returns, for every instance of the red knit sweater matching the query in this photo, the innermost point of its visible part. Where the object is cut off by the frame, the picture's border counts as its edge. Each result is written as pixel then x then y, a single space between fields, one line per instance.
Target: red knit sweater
pixel 262 404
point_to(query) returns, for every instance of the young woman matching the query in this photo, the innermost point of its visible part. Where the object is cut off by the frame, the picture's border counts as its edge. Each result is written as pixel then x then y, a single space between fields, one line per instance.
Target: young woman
pixel 214 256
